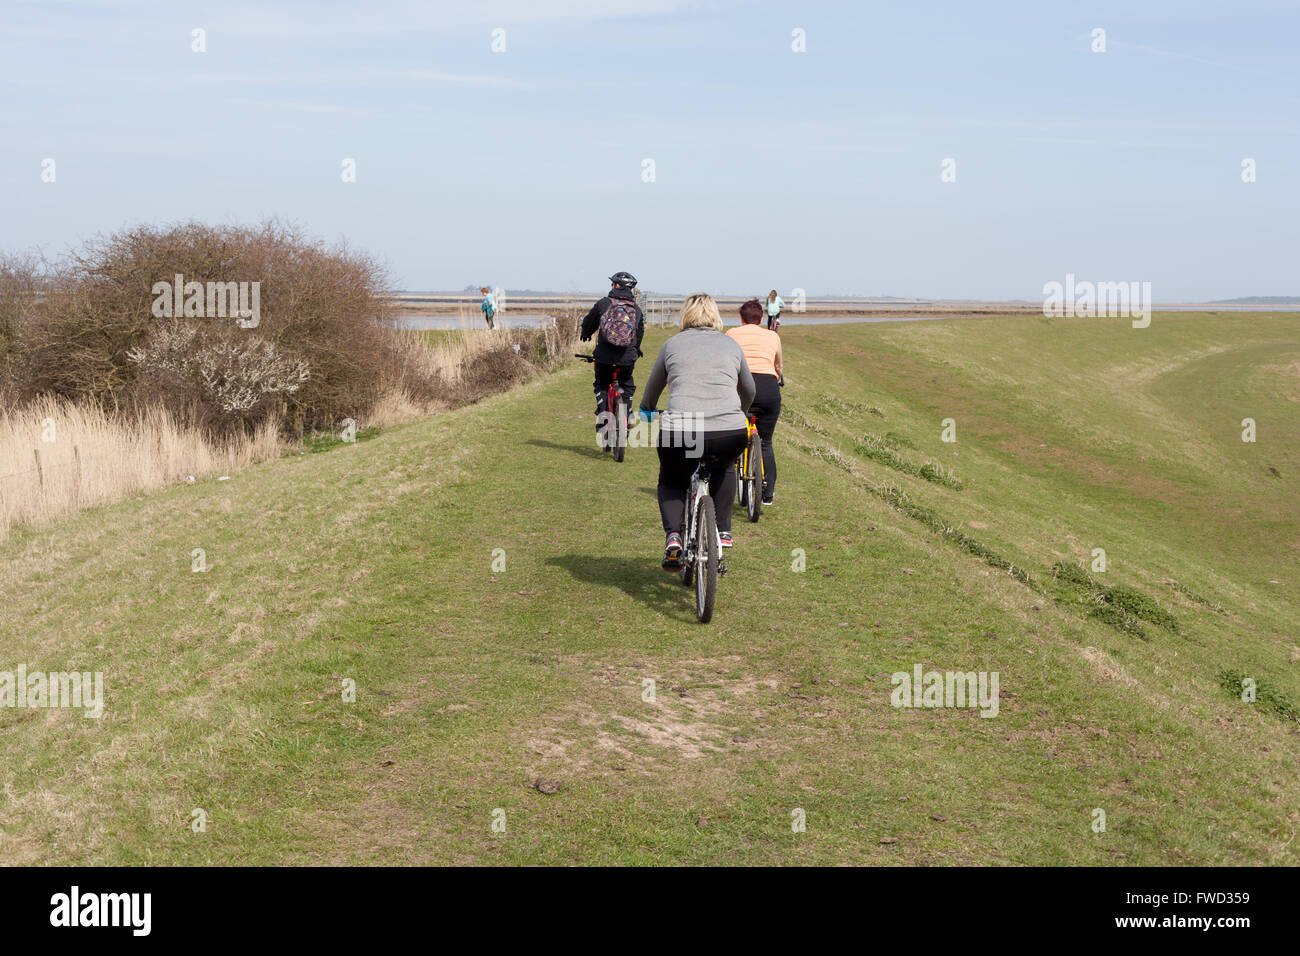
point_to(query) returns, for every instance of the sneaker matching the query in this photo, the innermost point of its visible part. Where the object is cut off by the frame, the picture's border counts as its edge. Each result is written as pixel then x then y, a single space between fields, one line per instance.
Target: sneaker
pixel 767 502
pixel 725 538
pixel 673 553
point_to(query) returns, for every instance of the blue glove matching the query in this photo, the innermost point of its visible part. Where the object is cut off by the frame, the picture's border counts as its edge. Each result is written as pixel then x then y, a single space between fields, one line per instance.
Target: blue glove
pixel 647 415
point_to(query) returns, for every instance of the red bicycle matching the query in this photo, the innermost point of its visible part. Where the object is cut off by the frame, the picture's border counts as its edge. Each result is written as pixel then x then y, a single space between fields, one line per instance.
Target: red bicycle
pixel 615 414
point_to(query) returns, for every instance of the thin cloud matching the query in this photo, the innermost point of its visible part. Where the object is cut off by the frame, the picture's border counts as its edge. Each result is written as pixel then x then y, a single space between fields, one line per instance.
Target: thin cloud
pixel 1192 58
pixel 463 79
pixel 326 108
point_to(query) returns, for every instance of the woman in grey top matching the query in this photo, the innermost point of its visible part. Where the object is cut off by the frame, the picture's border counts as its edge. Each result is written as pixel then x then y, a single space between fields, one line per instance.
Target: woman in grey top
pixel 709 392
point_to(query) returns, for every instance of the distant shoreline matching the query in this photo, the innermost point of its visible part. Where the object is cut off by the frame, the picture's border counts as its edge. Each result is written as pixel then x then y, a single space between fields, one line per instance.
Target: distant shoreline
pixel 420 304
pixel 521 319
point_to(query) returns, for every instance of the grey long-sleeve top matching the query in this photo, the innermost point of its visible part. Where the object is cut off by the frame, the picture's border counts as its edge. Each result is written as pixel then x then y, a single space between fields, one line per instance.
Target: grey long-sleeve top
pixel 708 380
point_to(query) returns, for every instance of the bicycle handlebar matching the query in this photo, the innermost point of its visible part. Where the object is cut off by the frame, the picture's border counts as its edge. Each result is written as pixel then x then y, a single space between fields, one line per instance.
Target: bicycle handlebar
pixel 585 358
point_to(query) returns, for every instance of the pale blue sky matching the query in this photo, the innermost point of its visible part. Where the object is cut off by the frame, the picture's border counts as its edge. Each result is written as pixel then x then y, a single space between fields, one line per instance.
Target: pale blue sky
pixel 818 170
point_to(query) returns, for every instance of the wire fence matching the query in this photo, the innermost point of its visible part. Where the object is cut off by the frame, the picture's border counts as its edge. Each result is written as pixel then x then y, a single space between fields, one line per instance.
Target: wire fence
pixel 53 488
pixel 661 311
pixel 51 477
pixel 45 472
pixel 41 467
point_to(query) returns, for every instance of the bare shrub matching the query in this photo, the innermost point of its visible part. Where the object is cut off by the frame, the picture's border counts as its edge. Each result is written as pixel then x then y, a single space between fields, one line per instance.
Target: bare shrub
pixel 20 282
pixel 326 306
pixel 233 380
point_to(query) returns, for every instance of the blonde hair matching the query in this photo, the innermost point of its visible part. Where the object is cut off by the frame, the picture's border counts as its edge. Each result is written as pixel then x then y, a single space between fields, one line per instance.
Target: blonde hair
pixel 701 312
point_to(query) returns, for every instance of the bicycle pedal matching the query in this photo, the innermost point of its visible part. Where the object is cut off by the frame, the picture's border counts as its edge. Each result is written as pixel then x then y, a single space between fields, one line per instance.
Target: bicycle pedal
pixel 722 568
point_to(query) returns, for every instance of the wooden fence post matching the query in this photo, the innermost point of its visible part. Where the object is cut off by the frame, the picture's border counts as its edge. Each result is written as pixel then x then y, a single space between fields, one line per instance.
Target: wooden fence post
pixel 40 475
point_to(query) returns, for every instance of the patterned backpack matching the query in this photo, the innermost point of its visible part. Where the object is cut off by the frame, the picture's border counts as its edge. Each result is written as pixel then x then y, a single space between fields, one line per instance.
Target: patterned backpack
pixel 618 324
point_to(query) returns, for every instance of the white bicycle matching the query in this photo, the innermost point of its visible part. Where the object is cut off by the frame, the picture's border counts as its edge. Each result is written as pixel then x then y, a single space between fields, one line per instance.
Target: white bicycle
pixel 702 562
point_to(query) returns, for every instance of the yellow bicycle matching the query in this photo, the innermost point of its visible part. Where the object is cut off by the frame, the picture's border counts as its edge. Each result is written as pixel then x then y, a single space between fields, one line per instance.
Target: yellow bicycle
pixel 749 472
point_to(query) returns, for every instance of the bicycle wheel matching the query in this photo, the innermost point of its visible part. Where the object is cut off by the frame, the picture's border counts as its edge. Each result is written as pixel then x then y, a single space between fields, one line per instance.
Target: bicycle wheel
pixel 706 560
pixel 620 430
pixel 741 489
pixel 754 480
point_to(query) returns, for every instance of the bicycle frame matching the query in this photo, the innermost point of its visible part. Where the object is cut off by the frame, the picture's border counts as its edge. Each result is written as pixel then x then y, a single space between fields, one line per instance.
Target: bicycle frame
pixel 750 463
pixel 751 429
pixel 692 498
pixel 614 393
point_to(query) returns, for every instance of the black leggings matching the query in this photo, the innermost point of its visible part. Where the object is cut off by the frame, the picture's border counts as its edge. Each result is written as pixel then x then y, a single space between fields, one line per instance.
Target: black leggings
pixel 766 410
pixel 605 375
pixel 677 464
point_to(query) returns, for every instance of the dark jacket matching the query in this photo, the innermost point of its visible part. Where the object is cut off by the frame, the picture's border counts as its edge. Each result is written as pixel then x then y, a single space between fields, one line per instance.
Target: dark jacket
pixel 604 352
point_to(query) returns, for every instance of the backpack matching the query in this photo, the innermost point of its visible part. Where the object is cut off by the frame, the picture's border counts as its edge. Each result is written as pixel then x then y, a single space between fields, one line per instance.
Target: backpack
pixel 618 324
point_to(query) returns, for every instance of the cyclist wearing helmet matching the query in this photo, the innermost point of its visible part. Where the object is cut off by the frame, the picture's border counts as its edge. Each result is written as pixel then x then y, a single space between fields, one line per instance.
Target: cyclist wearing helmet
pixel 619 325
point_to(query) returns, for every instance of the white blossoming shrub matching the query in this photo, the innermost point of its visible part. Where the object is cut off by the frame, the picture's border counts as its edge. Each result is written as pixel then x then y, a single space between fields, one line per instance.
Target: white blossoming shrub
pixel 237 379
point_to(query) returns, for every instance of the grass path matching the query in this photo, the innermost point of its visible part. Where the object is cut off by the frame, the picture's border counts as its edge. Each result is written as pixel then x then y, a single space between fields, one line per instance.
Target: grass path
pixel 373 563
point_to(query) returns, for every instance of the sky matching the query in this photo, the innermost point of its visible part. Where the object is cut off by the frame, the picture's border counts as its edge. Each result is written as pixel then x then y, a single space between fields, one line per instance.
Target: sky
pixel 525 166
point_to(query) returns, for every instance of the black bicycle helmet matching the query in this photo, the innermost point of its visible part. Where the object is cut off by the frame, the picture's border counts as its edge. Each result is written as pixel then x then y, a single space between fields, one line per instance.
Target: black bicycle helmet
pixel 625 279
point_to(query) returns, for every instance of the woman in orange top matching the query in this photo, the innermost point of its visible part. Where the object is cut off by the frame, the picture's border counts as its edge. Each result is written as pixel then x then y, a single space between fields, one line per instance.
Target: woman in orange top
pixel 762 348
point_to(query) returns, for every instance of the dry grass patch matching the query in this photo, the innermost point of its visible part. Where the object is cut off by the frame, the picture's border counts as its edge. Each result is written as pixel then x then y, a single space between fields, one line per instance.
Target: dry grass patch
pixel 699 711
pixel 61 456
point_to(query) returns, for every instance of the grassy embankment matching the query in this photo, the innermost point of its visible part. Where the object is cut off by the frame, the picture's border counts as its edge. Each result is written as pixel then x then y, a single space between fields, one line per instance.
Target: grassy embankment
pixel 373 562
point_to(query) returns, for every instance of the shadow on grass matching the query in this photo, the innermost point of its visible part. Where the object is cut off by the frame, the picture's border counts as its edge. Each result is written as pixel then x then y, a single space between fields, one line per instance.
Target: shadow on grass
pixel 640 578
pixel 586 451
